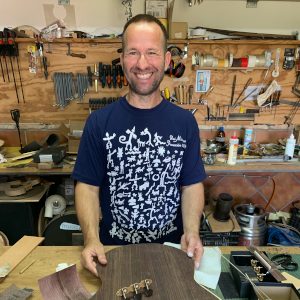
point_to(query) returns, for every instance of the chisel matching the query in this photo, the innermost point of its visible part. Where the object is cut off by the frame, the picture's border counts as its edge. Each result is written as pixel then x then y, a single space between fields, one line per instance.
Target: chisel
pixel 245 87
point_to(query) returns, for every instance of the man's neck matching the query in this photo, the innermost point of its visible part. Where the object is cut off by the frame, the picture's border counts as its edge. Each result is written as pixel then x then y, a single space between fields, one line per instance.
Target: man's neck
pixel 144 102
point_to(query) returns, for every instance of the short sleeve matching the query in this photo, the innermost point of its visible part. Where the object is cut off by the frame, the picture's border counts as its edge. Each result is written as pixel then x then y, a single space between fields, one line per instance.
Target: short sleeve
pixel 192 168
pixel 90 166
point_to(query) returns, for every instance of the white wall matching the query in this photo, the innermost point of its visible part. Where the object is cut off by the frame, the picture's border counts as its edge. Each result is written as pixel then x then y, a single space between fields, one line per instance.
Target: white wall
pixel 270 16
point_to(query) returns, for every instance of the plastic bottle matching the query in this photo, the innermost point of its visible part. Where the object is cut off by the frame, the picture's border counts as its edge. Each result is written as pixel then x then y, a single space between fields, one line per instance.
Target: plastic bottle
pixel 221 136
pixel 233 147
pixel 248 137
pixel 290 146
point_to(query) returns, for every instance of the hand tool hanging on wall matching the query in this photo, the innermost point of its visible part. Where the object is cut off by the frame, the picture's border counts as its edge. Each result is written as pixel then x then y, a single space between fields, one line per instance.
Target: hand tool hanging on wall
pixel 277 102
pixel 114 76
pixel 233 90
pixel 100 72
pixel 104 76
pixel 90 75
pixel 108 70
pixel 245 87
pixel 245 98
pixel 15 115
pixel 45 67
pixel 10 54
pixel 16 54
pixel 119 81
pixel 4 52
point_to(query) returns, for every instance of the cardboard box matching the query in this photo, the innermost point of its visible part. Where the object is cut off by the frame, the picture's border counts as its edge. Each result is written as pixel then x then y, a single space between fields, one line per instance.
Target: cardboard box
pixel 73 135
pixel 179 30
pixel 158 9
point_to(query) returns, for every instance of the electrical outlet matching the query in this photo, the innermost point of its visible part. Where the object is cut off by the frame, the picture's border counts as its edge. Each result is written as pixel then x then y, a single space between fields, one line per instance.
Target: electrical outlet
pixel 63 2
pixel 251 4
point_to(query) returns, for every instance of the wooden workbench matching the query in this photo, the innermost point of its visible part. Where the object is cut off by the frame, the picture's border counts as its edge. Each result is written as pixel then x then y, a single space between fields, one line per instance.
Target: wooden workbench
pixel 48 258
pixel 10 168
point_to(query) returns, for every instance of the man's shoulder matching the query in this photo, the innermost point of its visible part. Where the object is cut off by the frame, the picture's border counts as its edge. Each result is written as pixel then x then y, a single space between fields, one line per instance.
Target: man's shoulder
pixel 179 112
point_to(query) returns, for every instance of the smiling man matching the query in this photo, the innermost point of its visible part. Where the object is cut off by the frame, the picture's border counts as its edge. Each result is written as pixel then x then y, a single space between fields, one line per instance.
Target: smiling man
pixel 142 155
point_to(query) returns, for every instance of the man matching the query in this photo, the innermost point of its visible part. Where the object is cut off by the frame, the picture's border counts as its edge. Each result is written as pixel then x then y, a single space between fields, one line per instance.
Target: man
pixel 143 154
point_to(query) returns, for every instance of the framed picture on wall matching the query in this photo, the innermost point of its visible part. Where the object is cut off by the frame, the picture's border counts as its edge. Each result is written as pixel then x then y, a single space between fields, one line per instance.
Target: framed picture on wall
pixel 202 81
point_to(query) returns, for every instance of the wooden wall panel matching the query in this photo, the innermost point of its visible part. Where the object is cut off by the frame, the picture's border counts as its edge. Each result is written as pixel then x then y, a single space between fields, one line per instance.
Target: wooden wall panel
pixel 40 96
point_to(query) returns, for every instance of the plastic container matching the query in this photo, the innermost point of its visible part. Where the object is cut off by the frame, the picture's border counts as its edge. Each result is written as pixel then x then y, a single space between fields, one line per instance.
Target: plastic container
pixel 221 136
pixel 233 147
pixel 290 146
pixel 248 137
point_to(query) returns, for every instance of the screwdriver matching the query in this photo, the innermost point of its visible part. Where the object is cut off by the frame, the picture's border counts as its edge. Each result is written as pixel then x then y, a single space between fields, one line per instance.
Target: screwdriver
pixel 167 94
pixel 104 76
pixel 245 87
pixel 277 102
pixel 119 76
pixel 15 114
pixel 114 76
pixel 108 73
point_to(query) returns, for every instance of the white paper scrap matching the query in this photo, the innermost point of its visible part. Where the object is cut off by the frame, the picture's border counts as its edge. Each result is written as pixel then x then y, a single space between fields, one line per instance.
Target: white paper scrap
pixel 209 270
pixel 4 270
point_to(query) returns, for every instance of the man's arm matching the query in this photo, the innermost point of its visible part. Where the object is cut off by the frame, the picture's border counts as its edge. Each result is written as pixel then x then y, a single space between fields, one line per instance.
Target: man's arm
pixel 192 203
pixel 87 208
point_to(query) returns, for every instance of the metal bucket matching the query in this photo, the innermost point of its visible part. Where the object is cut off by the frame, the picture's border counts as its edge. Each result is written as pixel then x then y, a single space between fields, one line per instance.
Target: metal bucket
pixel 253 224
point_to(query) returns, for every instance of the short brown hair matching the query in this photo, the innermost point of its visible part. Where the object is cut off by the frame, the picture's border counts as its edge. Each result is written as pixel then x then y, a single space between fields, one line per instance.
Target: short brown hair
pixel 143 18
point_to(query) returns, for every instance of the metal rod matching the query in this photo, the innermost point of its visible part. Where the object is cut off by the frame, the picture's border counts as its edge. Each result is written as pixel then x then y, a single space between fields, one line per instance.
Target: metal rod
pixel 20 79
pixel 12 70
pixel 2 69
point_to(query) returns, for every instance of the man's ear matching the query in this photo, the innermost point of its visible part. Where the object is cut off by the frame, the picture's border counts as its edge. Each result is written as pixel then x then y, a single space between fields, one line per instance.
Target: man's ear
pixel 167 60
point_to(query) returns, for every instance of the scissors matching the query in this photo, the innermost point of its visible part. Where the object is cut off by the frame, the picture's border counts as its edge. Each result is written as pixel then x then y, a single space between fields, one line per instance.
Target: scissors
pixel 284 262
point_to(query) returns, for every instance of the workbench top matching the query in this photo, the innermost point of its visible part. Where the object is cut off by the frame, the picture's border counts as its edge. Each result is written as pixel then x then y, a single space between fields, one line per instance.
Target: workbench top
pixel 11 167
pixel 48 258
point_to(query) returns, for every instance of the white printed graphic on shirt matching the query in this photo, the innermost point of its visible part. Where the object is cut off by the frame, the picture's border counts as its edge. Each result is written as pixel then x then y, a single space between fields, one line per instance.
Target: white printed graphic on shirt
pixel 143 170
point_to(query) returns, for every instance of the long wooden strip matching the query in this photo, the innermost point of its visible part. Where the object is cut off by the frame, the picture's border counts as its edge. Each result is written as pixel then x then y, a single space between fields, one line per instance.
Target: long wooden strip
pixel 28 154
pixel 19 251
pixel 260 163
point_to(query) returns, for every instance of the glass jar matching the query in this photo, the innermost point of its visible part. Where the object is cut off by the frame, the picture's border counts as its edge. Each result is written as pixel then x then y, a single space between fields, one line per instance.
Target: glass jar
pixel 209 157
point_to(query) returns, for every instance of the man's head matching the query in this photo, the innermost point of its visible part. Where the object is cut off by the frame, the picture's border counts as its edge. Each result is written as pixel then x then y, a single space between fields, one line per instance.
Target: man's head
pixel 145 57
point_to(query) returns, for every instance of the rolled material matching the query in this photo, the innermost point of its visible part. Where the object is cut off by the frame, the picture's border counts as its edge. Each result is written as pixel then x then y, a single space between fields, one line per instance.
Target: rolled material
pixel 251 60
pixel 237 62
pixel 244 62
pixel 208 60
pixel 198 31
pixel 260 60
pixel 202 61
pixel 216 62
pixel 221 63
pixel 230 58
pixel 226 63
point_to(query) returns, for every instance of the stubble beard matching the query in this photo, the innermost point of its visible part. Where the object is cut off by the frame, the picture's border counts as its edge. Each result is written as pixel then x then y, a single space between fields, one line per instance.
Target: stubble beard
pixel 159 76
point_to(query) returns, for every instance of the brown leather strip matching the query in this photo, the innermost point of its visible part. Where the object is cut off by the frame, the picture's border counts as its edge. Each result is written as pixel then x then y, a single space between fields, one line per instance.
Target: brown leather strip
pixel 237 62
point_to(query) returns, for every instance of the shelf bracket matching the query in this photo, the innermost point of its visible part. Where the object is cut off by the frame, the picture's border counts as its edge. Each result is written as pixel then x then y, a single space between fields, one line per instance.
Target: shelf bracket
pixel 252 3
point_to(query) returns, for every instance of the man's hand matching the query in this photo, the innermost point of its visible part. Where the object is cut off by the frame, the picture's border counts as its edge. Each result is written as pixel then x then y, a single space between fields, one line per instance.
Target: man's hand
pixel 93 249
pixel 191 244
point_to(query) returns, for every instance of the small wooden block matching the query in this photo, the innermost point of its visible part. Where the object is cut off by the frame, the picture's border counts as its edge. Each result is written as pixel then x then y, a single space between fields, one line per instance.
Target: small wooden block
pixel 291 279
pixel 46 165
pixel 33 164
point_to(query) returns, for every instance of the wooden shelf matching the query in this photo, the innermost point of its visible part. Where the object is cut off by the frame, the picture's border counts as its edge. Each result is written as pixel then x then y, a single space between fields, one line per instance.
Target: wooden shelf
pixel 195 67
pixel 179 41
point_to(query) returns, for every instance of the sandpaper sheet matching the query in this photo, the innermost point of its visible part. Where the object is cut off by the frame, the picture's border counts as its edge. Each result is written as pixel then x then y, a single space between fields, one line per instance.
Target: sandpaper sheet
pixel 14 293
pixel 63 285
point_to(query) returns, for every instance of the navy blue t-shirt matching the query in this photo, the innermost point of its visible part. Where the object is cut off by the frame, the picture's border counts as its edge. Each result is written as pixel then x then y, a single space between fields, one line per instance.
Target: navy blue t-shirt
pixel 139 158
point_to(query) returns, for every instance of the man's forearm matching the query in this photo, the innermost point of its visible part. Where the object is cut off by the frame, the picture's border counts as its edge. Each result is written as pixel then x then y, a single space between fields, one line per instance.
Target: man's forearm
pixel 87 208
pixel 192 202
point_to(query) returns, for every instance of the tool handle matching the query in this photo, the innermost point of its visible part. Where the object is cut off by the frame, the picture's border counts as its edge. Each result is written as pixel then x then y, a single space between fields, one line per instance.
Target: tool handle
pixel 208 92
pixel 15 115
pixel 248 83
pixel 77 55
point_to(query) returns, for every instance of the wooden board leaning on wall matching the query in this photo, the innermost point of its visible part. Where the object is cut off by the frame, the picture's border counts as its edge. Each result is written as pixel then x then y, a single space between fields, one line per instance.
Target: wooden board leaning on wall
pixel 40 96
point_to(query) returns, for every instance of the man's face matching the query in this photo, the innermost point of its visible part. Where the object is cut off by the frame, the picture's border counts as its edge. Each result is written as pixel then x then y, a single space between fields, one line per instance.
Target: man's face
pixel 143 60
